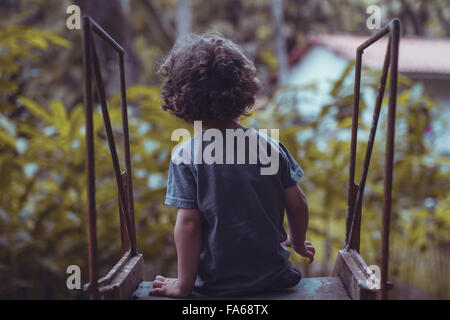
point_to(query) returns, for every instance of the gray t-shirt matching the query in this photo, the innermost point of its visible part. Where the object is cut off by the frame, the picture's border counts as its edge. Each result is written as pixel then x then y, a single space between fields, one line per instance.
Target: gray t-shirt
pixel 242 213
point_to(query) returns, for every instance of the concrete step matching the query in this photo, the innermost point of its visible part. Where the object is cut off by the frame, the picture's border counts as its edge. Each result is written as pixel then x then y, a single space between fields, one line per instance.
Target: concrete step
pixel 323 288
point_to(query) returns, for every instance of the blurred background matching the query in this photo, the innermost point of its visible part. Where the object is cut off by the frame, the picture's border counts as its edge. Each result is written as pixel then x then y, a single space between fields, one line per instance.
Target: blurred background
pixel 304 52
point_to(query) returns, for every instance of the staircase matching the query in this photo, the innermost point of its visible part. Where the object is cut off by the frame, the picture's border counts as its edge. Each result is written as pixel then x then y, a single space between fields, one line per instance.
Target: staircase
pixel 350 278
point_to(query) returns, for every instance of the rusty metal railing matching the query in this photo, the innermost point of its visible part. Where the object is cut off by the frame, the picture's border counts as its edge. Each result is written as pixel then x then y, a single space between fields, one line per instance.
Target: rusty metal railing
pixel 124 181
pixel 356 192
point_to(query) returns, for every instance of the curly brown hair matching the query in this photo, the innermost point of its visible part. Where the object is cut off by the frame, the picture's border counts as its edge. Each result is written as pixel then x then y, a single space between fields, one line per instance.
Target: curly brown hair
pixel 208 77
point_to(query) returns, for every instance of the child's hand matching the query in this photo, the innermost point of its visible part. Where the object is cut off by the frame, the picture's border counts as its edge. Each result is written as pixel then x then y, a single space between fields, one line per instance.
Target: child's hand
pixel 306 250
pixel 170 287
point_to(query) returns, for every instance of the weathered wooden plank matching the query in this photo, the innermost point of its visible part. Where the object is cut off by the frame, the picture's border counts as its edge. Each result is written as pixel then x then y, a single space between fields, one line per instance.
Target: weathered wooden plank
pixel 352 270
pixel 125 281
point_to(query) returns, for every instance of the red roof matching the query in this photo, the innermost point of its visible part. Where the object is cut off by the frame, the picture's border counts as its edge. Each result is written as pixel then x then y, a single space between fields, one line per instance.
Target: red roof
pixel 416 55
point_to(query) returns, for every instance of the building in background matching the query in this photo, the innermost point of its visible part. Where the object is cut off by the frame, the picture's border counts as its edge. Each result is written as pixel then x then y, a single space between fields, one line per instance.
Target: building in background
pixel 324 57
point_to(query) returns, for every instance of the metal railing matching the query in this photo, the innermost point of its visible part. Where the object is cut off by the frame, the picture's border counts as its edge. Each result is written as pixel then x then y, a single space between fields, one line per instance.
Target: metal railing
pixel 124 182
pixel 356 192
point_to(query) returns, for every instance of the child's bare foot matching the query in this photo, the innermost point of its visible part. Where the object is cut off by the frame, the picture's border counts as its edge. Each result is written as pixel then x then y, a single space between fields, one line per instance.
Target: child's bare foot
pixel 170 287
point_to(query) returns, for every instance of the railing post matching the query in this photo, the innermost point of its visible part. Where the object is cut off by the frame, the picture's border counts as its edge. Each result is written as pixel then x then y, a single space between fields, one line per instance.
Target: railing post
pixel 122 210
pixel 92 219
pixel 352 189
pixel 394 28
pixel 126 143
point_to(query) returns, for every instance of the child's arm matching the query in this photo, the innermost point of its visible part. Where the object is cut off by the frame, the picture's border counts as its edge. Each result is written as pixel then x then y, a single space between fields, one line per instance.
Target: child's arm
pixel 188 244
pixel 298 215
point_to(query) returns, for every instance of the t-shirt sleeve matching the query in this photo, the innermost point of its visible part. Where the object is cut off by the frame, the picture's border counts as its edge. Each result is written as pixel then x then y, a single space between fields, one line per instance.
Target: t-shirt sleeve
pixel 291 172
pixel 181 186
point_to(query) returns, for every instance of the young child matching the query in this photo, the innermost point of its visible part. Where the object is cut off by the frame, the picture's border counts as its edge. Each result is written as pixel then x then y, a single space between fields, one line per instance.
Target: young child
pixel 229 231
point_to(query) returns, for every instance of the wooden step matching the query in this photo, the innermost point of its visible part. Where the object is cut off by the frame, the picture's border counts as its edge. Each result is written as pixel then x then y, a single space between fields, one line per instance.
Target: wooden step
pixel 323 288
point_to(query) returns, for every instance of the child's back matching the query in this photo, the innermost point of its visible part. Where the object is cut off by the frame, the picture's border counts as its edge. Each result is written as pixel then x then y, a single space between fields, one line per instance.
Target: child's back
pixel 242 210
pixel 230 200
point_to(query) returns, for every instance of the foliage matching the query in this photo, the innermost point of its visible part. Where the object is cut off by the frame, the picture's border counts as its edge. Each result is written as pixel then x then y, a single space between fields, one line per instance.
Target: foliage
pixel 43 185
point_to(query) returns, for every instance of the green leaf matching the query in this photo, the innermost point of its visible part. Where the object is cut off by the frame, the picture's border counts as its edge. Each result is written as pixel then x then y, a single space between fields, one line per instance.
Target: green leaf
pixel 338 84
pixel 7 138
pixel 36 109
pixel 55 39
